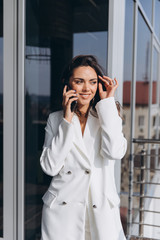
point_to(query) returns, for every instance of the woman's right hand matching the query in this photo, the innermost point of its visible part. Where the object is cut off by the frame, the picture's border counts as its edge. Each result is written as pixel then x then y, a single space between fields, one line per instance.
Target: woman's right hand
pixel 68 98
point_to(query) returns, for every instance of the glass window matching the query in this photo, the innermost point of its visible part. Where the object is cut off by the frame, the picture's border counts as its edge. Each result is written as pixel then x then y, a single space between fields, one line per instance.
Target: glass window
pixel 157 18
pixel 1 118
pixel 155 95
pixel 147 6
pixel 86 43
pixel 141 121
pixel 143 73
pixel 154 121
pixel 128 56
pixel 155 68
pixel 143 65
pixel 90 29
pixel 55 32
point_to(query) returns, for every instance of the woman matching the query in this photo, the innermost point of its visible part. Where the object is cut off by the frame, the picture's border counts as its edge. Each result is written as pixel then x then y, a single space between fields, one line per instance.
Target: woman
pixel 80 151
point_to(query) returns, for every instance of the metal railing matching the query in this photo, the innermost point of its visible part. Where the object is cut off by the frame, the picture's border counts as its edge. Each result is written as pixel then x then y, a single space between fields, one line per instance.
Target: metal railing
pixel 144 166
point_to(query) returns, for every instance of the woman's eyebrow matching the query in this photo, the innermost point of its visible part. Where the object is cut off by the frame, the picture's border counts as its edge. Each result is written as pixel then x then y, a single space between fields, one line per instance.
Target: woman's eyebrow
pixel 92 79
pixel 78 78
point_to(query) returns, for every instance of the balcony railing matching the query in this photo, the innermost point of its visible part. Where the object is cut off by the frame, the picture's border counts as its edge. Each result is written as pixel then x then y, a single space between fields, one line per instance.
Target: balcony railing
pixel 144 191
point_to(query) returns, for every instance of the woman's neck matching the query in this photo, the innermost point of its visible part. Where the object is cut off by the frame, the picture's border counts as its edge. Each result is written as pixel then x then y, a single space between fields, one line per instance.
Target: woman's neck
pixel 82 111
pixel 82 114
pixel 82 119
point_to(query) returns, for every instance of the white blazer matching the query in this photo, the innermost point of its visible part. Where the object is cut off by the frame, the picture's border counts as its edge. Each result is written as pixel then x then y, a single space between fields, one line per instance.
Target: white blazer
pixel 83 175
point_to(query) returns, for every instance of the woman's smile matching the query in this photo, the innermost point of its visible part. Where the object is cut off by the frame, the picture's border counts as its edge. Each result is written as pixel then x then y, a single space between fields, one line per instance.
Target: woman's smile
pixel 85 96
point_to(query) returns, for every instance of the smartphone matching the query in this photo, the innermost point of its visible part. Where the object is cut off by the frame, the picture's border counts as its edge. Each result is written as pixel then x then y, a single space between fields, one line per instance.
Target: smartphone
pixel 74 103
pixel 73 106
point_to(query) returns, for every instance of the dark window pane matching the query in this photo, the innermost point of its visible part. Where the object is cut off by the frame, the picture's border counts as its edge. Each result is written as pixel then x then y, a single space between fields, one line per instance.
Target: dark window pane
pixel 86 43
pixel 90 32
pixel 55 32
pixel 1 118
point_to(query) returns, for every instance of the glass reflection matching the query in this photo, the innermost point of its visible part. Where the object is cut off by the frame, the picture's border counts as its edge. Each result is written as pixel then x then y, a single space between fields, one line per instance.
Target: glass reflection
pixel 37 72
pixel 147 6
pixel 1 118
pixel 141 119
pixel 86 43
pixel 157 18
pixel 155 110
pixel 142 78
pixel 55 31
pixel 127 106
pixel 155 76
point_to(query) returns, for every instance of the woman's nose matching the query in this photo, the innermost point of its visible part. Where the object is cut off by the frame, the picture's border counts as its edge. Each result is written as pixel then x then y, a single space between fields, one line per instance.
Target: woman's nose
pixel 86 87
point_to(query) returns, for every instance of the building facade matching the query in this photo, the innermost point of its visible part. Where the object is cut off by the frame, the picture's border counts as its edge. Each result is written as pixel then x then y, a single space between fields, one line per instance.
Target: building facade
pixel 37 39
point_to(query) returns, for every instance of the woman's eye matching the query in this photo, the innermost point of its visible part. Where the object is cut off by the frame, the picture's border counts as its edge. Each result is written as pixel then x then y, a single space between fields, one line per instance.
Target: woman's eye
pixel 78 82
pixel 94 82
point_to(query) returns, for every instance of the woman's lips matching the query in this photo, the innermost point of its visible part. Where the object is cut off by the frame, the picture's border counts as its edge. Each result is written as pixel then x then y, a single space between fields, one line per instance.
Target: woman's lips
pixel 85 96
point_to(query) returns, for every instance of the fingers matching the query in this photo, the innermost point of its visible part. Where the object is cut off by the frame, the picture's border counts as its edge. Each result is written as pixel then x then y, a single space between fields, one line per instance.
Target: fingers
pixel 67 92
pixel 110 87
pixel 68 96
pixel 100 88
pixel 68 100
pixel 72 100
pixel 109 81
pixel 64 89
pixel 106 80
pixel 116 82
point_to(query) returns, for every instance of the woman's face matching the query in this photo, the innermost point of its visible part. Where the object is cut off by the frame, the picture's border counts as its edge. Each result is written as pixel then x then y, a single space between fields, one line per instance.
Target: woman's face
pixel 84 81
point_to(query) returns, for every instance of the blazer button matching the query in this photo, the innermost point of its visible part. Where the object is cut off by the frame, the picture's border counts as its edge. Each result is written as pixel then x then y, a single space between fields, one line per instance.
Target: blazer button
pixel 64 203
pixel 69 172
pixel 94 206
pixel 87 171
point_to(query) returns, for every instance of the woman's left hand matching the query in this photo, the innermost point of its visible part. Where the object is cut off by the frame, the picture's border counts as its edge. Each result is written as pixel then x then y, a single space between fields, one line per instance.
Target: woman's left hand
pixel 110 87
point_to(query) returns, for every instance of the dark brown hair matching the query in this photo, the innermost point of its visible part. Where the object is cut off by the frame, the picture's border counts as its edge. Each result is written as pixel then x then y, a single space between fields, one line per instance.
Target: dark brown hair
pixel 79 61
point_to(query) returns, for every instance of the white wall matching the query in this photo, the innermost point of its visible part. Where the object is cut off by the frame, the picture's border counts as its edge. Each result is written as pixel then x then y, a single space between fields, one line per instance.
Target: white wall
pixel 116 54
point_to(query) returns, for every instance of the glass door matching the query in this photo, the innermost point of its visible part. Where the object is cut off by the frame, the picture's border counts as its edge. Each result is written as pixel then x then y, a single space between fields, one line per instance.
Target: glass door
pixel 1 118
pixel 55 32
